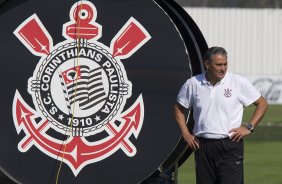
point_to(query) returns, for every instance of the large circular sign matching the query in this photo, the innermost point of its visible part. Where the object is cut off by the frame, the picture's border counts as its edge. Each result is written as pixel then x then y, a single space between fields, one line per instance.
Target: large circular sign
pixel 88 88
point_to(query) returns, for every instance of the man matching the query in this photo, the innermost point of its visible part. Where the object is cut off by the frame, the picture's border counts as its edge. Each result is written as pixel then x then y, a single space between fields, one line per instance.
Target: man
pixel 217 98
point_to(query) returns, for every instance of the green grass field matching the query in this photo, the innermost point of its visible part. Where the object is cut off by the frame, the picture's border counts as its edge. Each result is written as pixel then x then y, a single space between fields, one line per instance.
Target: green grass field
pixel 273 115
pixel 263 152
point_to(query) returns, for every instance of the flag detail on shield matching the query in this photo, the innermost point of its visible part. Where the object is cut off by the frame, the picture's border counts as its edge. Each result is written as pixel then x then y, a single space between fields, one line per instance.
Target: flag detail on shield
pixel 84 85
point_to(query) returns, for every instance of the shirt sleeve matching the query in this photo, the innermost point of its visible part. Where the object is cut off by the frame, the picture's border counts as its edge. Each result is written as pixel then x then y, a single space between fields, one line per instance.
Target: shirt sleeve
pixel 249 94
pixel 184 96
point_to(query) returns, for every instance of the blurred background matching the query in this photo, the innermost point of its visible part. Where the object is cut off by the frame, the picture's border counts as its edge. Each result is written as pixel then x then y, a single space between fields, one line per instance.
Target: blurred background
pixel 251 32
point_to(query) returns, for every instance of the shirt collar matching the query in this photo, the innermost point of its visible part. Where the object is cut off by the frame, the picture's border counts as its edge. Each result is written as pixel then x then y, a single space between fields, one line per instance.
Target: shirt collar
pixel 205 81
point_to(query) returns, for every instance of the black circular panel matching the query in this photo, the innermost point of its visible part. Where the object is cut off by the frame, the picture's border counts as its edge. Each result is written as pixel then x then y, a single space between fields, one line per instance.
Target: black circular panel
pixel 113 68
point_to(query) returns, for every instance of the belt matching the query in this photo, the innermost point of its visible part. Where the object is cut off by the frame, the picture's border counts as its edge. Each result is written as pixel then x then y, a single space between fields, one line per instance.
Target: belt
pixel 202 139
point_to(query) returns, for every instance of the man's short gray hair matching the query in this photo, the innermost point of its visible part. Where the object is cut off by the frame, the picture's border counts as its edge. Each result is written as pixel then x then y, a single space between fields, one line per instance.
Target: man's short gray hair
pixel 213 51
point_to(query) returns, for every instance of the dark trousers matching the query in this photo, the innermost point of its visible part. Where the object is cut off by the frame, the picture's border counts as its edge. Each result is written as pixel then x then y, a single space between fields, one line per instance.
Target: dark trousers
pixel 219 161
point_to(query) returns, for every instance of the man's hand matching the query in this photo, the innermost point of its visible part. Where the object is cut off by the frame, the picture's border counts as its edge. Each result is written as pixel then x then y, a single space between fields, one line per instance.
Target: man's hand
pixel 192 141
pixel 261 107
pixel 239 133
pixel 180 118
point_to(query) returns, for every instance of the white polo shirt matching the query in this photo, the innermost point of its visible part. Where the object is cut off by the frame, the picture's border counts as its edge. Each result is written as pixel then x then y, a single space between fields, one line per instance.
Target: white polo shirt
pixel 217 109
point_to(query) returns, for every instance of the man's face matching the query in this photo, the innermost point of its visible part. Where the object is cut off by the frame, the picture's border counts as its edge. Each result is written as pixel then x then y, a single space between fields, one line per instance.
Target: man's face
pixel 216 67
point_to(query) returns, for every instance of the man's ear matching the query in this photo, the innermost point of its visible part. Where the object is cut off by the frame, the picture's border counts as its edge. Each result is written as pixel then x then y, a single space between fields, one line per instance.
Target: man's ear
pixel 206 63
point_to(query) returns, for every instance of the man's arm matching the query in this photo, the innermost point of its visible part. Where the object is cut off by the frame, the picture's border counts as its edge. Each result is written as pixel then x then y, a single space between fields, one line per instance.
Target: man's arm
pixel 261 107
pixel 180 118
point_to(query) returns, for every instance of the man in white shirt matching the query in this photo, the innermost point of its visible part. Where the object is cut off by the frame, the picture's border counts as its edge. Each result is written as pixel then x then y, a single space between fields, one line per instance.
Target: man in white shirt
pixel 217 99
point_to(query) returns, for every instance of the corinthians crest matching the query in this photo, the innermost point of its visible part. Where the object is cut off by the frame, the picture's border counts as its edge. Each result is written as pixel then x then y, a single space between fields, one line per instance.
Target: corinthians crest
pixel 79 89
